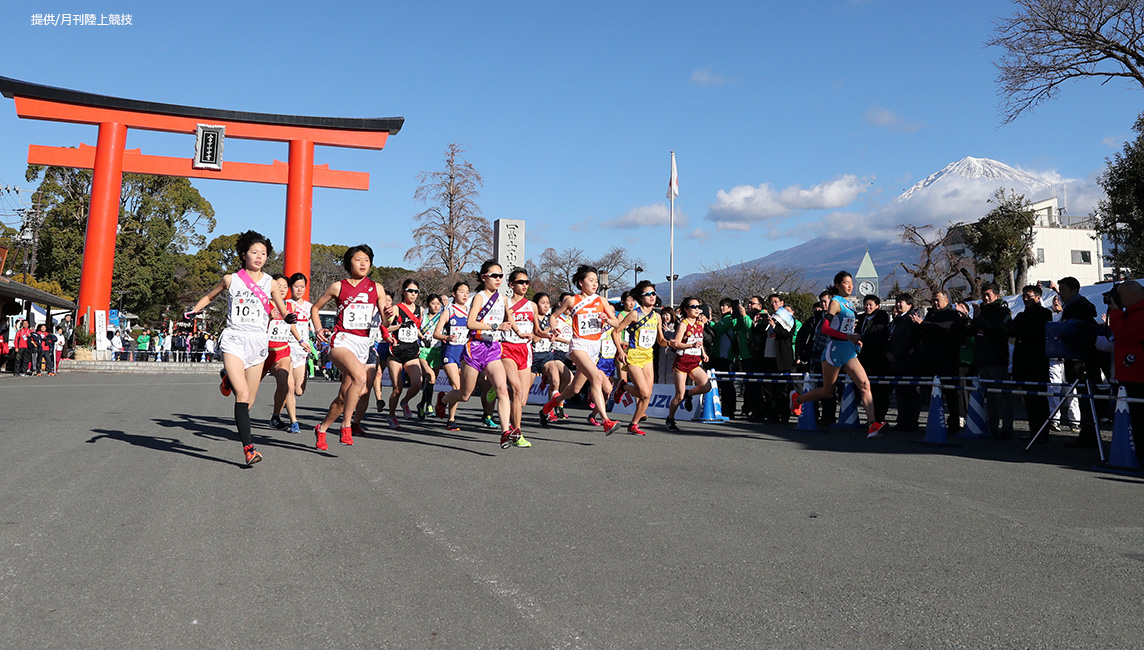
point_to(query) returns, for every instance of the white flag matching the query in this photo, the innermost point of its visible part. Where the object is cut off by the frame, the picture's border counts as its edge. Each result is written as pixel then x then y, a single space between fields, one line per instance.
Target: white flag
pixel 673 184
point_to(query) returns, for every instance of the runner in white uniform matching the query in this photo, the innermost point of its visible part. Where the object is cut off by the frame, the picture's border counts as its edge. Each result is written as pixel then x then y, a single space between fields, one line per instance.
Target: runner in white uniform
pixel 250 296
pixel 300 351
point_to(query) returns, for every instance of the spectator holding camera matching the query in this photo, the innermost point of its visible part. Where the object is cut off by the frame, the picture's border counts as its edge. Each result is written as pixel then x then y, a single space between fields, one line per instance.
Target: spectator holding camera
pixel 1126 319
pixel 991 328
pixel 773 333
pixel 729 333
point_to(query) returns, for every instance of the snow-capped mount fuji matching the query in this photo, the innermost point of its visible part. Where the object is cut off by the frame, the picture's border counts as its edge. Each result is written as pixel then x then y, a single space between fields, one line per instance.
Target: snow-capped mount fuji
pixel 983 169
pixel 959 192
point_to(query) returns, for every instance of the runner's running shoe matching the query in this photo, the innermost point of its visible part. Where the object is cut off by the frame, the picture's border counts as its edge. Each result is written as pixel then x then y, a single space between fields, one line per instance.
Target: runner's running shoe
pixel 875 430
pixel 560 412
pixel 520 441
pixel 547 419
pixel 795 407
pixel 611 426
pixel 252 455
pixel 405 410
pixel 635 430
pixel 506 439
pixel 347 436
pixel 224 387
pixel 357 429
pixel 320 436
pixel 490 422
pixel 277 423
pixel 421 410
pixel 671 426
pixel 451 425
pixel 688 403
pixel 294 428
pixel 593 421
pixel 393 424
pixel 440 410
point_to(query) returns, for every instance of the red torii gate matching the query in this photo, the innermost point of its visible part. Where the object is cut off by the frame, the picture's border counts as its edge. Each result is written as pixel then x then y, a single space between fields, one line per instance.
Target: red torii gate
pixel 109 160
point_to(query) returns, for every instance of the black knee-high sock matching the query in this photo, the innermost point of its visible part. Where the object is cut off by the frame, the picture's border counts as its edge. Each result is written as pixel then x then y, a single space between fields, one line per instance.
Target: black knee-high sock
pixel 242 421
pixel 427 393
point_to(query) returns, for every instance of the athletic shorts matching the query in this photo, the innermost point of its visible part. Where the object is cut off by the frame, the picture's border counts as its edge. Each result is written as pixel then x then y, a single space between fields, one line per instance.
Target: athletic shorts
pixel 607 366
pixel 685 363
pixel 452 353
pixel 589 346
pixel 837 353
pixel 383 350
pixel 433 356
pixel 250 347
pixel 274 355
pixel 540 359
pixel 403 353
pixel 479 354
pixel 518 353
pixel 640 357
pixel 359 345
pixel 298 355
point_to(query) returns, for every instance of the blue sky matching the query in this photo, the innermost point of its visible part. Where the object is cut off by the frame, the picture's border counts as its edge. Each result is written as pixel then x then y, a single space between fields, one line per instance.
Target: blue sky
pixel 569 110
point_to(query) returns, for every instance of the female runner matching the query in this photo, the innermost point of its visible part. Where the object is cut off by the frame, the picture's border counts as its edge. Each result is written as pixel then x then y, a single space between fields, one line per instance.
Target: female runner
pixel 279 362
pixel 545 363
pixel 482 352
pixel 561 327
pixel 589 313
pixel 359 299
pixel 641 331
pixel 251 296
pixel 841 353
pixel 301 350
pixel 430 354
pixel 380 343
pixel 405 352
pixel 688 344
pixel 453 331
pixel 516 349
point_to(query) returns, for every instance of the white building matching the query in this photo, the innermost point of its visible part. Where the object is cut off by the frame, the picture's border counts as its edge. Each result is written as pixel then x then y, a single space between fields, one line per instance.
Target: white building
pixel 1064 246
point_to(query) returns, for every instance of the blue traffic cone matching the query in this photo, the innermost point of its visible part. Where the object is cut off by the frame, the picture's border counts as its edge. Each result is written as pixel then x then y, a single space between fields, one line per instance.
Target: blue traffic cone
pixel 806 421
pixel 848 415
pixel 712 408
pixel 976 424
pixel 936 432
pixel 1122 455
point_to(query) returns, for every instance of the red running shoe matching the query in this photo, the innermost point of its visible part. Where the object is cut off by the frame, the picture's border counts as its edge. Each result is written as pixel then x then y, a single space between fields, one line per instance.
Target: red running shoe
pixel 795 407
pixel 347 436
pixel 440 410
pixel 357 430
pixel 252 455
pixel 593 421
pixel 611 426
pixel 506 438
pixel 875 430
pixel 224 387
pixel 320 442
pixel 635 430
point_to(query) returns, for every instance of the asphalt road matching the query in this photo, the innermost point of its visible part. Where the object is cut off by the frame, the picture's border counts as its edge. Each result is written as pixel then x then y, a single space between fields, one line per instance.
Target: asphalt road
pixel 128 521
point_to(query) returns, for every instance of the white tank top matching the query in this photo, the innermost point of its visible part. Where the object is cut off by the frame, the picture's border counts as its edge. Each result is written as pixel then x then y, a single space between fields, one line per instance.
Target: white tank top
pixel 302 308
pixel 244 310
pixel 523 318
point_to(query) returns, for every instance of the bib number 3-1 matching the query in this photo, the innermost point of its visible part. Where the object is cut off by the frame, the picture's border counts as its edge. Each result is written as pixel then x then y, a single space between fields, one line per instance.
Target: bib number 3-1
pixel 357 315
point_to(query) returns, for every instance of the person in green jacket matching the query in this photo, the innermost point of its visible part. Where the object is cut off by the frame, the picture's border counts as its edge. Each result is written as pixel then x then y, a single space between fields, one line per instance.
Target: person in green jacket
pixel 730 333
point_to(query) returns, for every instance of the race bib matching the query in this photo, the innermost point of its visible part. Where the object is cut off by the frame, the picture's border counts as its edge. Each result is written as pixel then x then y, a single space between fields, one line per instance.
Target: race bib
pixel 588 324
pixel 607 348
pixel 407 335
pixel 457 335
pixel 279 331
pixel 357 315
pixel 543 345
pixel 246 311
pixel 693 352
pixel 646 338
pixel 846 325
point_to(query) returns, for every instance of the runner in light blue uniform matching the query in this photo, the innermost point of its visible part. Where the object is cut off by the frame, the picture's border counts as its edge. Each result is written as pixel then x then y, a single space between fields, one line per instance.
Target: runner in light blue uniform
pixel 837 351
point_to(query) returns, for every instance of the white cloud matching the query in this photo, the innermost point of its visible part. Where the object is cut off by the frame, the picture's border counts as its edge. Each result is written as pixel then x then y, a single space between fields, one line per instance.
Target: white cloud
pixel 699 234
pixel 732 225
pixel 704 77
pixel 646 215
pixel 745 204
pixel 884 117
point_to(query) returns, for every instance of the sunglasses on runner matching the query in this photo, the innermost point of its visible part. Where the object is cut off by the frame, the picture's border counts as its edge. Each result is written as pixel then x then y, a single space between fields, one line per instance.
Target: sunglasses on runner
pixel 495 276
pixel 649 293
pixel 412 291
pixel 695 306
pixel 520 281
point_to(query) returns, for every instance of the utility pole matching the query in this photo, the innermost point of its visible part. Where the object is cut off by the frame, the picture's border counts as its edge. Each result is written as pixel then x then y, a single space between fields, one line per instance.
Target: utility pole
pixel 29 236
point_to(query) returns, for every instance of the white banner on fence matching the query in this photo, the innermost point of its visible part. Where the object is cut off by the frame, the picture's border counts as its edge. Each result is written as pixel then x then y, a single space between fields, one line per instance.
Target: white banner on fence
pixel 660 399
pixel 101 341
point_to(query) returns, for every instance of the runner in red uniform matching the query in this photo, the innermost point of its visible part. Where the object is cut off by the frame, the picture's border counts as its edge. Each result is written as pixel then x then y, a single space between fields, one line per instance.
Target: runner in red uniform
pixel 688 345
pixel 516 348
pixel 359 300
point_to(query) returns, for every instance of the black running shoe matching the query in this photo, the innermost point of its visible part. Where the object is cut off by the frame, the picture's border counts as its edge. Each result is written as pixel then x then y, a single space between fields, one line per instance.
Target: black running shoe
pixel 670 422
pixel 687 402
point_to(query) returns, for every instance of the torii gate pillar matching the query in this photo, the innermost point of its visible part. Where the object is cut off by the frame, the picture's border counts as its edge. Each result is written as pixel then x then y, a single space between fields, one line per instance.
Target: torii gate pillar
pixel 103 217
pixel 299 209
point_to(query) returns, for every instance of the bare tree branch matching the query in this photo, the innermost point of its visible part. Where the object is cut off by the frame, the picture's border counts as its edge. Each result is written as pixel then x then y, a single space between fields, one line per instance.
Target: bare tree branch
pixel 450 235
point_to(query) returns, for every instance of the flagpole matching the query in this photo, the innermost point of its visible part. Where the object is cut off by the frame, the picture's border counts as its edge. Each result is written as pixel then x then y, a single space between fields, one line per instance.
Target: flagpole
pixel 672 189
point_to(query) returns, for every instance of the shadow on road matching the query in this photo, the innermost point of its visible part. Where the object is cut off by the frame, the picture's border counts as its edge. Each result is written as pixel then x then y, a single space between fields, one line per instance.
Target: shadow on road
pixel 172 445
